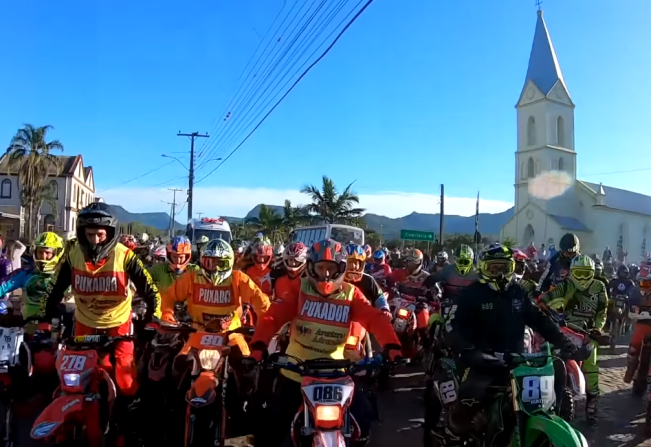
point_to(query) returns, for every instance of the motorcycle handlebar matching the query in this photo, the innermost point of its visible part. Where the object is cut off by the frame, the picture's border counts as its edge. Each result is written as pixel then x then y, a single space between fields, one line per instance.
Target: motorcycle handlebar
pixel 318 367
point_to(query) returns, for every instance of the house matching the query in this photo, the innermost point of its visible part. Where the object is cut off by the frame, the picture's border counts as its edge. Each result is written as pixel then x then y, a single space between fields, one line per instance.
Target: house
pixel 599 215
pixel 72 190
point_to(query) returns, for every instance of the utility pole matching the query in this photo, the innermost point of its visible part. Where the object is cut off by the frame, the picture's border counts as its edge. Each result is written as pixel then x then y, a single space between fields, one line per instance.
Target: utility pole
pixel 441 216
pixel 172 220
pixel 192 136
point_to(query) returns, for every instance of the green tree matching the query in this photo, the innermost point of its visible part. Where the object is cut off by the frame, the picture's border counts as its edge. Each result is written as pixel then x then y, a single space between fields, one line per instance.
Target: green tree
pixel 269 222
pixel 293 216
pixel 508 242
pixel 30 153
pixel 330 206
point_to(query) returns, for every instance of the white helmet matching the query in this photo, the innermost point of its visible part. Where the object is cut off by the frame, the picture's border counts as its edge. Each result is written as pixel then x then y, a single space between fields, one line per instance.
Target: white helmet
pixel 144 237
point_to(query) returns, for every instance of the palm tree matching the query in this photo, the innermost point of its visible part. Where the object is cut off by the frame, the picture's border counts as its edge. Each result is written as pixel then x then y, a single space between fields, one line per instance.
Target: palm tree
pixel 329 205
pixel 293 216
pixel 30 152
pixel 268 221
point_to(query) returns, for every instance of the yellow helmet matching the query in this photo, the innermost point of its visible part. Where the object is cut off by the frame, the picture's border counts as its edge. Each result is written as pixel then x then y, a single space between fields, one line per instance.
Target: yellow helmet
pixel 52 241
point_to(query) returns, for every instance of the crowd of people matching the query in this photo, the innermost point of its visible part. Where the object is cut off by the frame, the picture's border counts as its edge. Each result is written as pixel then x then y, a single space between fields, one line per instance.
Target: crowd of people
pixel 320 289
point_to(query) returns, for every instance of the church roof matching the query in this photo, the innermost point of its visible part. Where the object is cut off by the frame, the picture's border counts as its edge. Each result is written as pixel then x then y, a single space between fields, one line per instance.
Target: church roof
pixel 570 223
pixel 620 199
pixel 543 70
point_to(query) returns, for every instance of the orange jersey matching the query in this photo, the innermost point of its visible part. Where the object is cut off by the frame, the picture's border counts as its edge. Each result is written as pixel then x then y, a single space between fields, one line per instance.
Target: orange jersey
pixel 320 326
pixel 287 288
pixel 207 301
pixel 261 277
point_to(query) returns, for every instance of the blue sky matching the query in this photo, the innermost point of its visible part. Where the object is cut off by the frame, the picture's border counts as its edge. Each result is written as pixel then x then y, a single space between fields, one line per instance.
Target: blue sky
pixel 415 94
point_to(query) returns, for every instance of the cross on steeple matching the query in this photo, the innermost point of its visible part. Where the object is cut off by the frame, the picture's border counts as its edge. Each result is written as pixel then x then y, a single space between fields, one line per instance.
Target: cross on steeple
pixel 538 3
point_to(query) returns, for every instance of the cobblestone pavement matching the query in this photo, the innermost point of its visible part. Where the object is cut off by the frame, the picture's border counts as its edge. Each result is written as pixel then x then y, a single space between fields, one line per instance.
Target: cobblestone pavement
pixel 620 423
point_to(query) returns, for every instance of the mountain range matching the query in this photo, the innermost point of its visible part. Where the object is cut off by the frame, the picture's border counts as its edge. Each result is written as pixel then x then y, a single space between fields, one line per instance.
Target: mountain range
pixel 489 224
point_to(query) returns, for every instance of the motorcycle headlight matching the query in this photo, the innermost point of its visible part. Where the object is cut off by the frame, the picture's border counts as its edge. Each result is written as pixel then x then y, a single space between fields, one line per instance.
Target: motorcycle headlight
pixel 71 379
pixel 352 341
pixel 403 313
pixel 327 413
pixel 209 358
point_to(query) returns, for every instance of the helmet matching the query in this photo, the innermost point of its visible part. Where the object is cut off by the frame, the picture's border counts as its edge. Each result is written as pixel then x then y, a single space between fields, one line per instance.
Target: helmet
pixel 598 265
pixel 521 260
pixel 240 248
pixel 355 260
pixel 48 241
pixel 144 237
pixel 379 257
pixel 414 261
pixel 262 253
pixel 179 252
pixel 160 254
pixel 368 251
pixel 70 235
pixel 128 241
pixel 294 258
pixel 441 257
pixel 386 251
pixel 278 251
pixel 464 258
pixel 622 272
pixel 569 245
pixel 97 215
pixel 326 266
pixel 202 240
pixel 496 266
pixel 217 259
pixel 582 271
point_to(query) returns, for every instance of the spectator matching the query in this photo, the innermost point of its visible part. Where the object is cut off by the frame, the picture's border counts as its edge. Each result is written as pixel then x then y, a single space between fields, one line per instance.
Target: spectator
pixel 608 256
pixel 542 253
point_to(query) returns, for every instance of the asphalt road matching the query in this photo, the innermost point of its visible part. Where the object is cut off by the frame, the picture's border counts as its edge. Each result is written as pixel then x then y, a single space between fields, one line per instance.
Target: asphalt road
pixel 401 410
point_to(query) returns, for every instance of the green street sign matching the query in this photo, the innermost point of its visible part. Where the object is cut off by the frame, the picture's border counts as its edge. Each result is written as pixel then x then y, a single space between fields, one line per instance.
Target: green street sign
pixel 411 235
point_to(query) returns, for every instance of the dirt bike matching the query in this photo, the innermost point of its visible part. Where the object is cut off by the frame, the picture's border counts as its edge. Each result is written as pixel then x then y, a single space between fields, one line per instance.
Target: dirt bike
pixel 530 396
pixel 411 322
pixel 617 317
pixel 328 389
pixel 442 384
pixel 208 406
pixel 82 410
pixel 641 378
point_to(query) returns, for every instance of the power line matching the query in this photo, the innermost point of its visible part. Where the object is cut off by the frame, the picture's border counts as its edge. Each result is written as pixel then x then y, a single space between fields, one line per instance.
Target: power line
pixel 193 136
pixel 618 172
pixel 327 50
pixel 233 111
pixel 140 176
pixel 223 114
pixel 236 132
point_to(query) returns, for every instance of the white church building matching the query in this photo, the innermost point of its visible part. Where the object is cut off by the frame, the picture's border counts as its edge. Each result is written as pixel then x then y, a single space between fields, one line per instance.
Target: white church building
pixel 599 215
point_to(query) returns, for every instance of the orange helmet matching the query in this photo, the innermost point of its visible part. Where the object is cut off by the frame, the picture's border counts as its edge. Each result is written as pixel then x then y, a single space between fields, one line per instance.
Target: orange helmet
pixel 179 253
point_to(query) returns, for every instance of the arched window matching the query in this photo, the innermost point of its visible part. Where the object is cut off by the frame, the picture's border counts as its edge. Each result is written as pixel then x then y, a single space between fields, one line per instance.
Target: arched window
pixel 537 166
pixel 560 131
pixel 560 164
pixel 49 222
pixel 54 189
pixel 523 171
pixel 530 168
pixel 5 189
pixel 531 131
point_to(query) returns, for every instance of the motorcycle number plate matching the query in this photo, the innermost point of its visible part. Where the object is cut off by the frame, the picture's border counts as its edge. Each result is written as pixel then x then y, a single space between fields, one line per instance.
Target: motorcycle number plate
pixel 10 341
pixel 212 340
pixel 399 324
pixel 447 391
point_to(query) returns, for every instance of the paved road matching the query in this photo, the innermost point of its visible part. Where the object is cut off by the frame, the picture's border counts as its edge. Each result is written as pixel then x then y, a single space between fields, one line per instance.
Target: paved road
pixel 620 423
pixel 401 410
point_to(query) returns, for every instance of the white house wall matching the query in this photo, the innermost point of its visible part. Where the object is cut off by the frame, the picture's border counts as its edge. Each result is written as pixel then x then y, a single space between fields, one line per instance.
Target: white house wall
pixel 610 223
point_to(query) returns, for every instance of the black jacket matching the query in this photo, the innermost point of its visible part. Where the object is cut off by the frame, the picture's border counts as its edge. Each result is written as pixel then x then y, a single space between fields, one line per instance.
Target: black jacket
pixel 484 320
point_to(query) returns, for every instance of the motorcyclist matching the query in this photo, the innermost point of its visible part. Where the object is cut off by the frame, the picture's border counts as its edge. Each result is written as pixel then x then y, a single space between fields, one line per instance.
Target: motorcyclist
pixel 294 260
pixel 128 241
pixel 200 243
pixel 633 271
pixel 100 271
pixel 558 267
pixel 599 271
pixel 521 260
pixel 260 271
pixel 585 303
pixel 640 301
pixel 622 284
pixel 215 293
pixel 178 254
pixel 441 261
pixel 457 276
pixel 488 317
pixel 277 261
pixel 380 270
pixel 368 251
pixel 412 277
pixel 240 249
pixel 48 249
pixel 355 275
pixel 321 319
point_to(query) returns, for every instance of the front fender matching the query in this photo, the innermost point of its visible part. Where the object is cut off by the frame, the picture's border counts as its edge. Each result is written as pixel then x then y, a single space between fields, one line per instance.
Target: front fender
pixel 559 432
pixel 61 410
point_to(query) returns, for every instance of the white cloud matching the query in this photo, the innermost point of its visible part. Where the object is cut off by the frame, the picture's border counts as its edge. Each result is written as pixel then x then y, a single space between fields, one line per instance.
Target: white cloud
pixel 218 201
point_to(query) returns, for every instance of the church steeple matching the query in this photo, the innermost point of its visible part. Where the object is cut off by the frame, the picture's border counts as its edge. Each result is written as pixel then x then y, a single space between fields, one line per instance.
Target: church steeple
pixel 544 70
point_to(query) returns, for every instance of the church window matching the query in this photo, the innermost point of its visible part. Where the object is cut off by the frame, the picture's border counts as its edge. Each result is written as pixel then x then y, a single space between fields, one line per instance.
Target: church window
pixel 554 165
pixel 537 166
pixel 523 171
pixel 530 170
pixel 531 131
pixel 560 132
pixel 560 164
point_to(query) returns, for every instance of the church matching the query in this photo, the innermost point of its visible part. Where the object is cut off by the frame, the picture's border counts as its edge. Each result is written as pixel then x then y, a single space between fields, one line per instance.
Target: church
pixel 599 215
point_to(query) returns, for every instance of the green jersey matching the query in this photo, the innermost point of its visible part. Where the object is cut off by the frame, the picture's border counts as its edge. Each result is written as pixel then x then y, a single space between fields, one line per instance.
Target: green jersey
pixel 581 306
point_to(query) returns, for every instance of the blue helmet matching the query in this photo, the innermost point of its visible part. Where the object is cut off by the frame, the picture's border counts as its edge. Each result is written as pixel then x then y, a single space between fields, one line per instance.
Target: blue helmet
pixel 379 255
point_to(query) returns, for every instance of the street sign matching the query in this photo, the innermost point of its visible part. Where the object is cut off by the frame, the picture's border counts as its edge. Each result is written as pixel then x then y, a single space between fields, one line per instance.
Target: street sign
pixel 412 235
